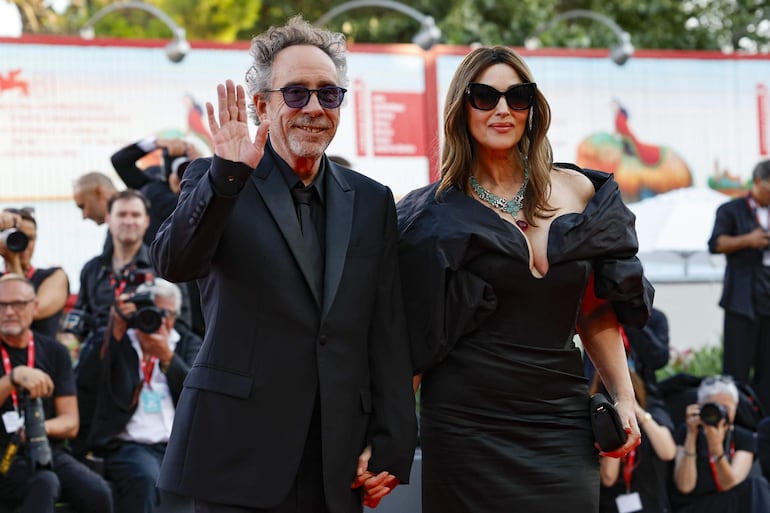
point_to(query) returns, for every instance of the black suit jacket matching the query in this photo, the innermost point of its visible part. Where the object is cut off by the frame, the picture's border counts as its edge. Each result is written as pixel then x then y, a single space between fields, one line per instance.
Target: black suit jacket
pixel 736 218
pixel 272 343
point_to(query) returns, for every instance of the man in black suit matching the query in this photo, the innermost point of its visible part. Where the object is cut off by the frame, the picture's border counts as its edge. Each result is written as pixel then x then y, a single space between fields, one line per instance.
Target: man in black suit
pixel 741 233
pixel 301 396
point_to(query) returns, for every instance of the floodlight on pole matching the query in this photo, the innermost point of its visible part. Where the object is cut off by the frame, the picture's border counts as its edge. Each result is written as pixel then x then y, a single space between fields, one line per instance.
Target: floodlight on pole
pixel 176 49
pixel 619 53
pixel 428 35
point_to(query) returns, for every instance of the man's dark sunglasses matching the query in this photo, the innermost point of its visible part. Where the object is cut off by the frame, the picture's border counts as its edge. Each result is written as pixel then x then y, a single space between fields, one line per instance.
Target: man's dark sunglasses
pixel 296 97
pixel 518 97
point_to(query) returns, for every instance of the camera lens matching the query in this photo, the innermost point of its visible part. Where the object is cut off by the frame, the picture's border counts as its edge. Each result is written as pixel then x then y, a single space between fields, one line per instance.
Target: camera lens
pixel 147 320
pixel 15 240
pixel 712 413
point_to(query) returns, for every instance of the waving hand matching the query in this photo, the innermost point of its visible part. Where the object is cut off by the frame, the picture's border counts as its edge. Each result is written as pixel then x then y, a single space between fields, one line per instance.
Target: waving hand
pixel 230 130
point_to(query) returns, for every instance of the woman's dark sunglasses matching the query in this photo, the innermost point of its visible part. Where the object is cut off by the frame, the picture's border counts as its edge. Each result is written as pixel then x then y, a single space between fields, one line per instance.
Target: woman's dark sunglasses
pixel 518 97
pixel 296 97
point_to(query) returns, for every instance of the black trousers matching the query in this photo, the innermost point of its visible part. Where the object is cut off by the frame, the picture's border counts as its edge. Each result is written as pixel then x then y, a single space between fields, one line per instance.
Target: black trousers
pixel 37 491
pixel 307 492
pixel 747 347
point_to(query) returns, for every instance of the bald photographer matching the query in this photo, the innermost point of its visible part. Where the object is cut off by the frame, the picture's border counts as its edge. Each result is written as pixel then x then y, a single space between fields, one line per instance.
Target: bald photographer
pixel 39 412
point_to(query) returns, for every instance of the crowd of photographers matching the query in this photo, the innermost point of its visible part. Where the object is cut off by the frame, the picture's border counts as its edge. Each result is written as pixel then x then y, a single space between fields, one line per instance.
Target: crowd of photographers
pixel 93 435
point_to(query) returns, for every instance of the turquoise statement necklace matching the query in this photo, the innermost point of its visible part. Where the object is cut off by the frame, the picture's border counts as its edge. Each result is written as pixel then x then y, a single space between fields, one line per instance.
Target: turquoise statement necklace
pixel 509 206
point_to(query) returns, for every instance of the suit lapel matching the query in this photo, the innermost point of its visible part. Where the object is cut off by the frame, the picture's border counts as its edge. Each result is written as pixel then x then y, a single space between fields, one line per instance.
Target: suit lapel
pixel 339 221
pixel 275 193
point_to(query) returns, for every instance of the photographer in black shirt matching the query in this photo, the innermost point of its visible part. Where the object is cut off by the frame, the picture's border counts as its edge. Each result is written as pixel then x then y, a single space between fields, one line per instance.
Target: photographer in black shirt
pixel 715 456
pixel 36 469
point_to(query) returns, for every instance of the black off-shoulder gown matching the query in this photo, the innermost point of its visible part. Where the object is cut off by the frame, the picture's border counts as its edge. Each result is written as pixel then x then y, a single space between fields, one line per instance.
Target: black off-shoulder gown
pixel 504 404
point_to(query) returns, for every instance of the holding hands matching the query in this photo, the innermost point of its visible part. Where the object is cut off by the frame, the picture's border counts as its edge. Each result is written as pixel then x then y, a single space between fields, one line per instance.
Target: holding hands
pixel 375 487
pixel 230 130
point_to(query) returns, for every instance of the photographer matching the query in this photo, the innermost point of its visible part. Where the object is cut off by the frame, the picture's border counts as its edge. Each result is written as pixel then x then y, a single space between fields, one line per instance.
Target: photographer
pixel 39 411
pixel 51 284
pixel 143 362
pixel 715 456
pixel 159 183
pixel 127 217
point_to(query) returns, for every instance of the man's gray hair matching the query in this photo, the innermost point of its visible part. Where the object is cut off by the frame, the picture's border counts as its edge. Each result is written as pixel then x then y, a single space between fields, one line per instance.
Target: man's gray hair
pixel 297 31
pixel 717 385
pixel 162 288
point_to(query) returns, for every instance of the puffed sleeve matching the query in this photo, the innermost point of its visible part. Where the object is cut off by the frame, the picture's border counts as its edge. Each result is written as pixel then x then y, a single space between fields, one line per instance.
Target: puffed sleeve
pixel 442 300
pixel 604 233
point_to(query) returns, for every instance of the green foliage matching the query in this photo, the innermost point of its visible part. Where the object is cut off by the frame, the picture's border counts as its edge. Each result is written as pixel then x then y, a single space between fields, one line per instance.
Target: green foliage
pixel 706 361
pixel 670 24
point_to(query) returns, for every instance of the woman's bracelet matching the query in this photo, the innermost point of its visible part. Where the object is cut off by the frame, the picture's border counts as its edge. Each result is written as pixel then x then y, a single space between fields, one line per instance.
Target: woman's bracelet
pixel 689 454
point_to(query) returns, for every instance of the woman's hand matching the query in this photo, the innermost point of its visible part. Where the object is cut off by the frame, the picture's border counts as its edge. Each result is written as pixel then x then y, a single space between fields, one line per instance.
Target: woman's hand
pixel 627 414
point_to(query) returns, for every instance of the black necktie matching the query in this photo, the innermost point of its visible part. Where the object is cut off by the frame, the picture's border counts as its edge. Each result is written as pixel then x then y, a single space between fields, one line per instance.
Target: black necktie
pixel 302 198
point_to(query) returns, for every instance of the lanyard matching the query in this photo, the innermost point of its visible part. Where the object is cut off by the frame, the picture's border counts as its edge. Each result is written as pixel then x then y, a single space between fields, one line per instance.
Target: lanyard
pixel 7 366
pixel 629 466
pixel 147 367
pixel 117 287
pixel 713 464
pixel 31 272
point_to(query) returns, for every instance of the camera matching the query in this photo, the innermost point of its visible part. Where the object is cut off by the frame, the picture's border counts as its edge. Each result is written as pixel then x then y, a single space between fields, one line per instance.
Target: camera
pixel 78 322
pixel 38 448
pixel 712 413
pixel 15 240
pixel 132 278
pixel 174 165
pixel 148 317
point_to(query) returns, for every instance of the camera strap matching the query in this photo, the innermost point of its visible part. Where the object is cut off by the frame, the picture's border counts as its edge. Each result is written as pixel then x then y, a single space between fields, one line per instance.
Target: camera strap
pixel 8 367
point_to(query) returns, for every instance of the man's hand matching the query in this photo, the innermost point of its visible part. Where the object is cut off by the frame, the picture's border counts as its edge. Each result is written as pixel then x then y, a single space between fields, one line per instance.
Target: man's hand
pixel 230 130
pixel 35 381
pixel 119 312
pixel 375 487
pixel 758 238
pixel 156 344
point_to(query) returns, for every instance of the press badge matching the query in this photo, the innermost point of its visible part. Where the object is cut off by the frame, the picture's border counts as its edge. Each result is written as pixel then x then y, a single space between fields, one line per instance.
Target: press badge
pixel 12 421
pixel 151 401
pixel 629 502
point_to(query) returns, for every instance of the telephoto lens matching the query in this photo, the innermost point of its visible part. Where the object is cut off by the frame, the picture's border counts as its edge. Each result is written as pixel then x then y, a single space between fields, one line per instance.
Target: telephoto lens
pixel 37 447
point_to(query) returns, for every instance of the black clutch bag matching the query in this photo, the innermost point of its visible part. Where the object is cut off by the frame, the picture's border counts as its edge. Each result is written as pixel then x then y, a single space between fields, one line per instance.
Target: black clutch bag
pixel 608 431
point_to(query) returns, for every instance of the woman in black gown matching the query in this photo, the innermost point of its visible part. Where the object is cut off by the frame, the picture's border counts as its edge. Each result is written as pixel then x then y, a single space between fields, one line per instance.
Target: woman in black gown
pixel 494 290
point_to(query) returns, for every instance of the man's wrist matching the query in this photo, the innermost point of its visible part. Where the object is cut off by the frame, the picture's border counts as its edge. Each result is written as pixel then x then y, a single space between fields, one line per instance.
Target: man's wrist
pixel 164 365
pixel 715 459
